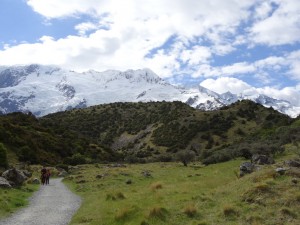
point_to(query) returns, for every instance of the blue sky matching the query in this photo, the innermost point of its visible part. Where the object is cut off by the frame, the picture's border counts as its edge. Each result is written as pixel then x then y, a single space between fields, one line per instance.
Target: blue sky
pixel 245 46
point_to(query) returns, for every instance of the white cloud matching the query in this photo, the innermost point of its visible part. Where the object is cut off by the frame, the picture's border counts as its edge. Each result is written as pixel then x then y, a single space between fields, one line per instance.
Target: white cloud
pixel 237 68
pixel 196 55
pixel 82 28
pixel 263 10
pixel 294 64
pixel 224 84
pixel 282 27
pixel 57 9
pixel 133 29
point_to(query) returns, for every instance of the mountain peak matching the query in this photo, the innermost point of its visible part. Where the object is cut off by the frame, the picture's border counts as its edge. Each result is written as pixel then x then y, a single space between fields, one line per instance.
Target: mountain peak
pixel 30 88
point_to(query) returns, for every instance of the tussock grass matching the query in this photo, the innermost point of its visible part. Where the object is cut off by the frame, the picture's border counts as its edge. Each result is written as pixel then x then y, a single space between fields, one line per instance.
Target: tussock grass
pixel 115 196
pixel 123 214
pixel 190 210
pixel 264 175
pixel 156 186
pixel 294 172
pixel 215 197
pixel 254 220
pixel 288 212
pixel 158 212
pixel 126 213
pixel 229 210
pixel 257 194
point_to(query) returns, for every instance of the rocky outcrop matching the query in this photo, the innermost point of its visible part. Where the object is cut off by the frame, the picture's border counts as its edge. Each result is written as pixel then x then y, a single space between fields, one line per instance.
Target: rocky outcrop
pixel 292 163
pixel 16 177
pixel 262 159
pixel 4 183
pixel 246 168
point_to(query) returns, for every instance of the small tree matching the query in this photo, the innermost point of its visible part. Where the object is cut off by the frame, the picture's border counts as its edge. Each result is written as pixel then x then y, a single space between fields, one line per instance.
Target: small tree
pixel 186 156
pixel 3 156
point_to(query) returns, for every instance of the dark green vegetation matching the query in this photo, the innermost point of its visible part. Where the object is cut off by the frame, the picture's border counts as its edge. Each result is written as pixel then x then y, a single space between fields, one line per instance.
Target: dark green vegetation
pixel 3 156
pixel 146 132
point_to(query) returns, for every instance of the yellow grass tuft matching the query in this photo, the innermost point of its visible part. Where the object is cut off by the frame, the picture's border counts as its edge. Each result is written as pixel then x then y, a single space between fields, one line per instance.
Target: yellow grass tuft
pixel 158 212
pixel 155 186
pixel 229 210
pixel 190 210
pixel 115 196
pixel 123 214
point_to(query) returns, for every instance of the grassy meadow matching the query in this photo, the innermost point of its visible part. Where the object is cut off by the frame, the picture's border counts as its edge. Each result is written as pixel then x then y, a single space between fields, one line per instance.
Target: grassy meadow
pixel 174 194
pixel 16 198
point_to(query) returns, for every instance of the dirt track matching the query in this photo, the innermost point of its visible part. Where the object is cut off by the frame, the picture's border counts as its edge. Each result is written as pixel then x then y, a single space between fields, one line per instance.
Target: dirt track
pixel 53 204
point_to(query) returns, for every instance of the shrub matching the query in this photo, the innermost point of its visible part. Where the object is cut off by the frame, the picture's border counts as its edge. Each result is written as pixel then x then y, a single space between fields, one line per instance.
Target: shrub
pixel 75 159
pixel 186 156
pixel 3 156
pixel 26 153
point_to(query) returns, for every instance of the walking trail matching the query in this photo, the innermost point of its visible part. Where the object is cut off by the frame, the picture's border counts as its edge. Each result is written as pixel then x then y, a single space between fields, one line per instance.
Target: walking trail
pixel 53 204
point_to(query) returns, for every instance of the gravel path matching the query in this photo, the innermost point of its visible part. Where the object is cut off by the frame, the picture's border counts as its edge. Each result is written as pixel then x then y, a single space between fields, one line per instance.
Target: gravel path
pixel 53 204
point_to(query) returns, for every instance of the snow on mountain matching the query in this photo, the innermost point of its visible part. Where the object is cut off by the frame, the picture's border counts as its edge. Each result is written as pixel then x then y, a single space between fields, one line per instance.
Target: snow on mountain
pixel 47 89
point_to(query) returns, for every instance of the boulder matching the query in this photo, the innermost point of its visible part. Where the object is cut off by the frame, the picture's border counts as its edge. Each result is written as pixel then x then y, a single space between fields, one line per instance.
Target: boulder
pixel 26 173
pixel 4 183
pixel 146 173
pixel 245 168
pixel 35 181
pixel 281 170
pixel 294 180
pixel 15 177
pixel 262 159
pixel 292 163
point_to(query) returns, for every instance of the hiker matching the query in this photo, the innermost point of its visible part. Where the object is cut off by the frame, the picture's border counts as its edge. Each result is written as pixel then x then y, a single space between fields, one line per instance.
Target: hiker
pixel 48 174
pixel 43 175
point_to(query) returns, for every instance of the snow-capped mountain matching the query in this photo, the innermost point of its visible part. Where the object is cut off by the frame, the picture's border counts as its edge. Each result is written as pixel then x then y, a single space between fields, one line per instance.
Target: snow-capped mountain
pixel 47 89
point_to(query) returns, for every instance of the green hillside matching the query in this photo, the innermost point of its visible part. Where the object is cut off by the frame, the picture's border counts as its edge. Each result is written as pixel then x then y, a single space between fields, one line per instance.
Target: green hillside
pixel 146 132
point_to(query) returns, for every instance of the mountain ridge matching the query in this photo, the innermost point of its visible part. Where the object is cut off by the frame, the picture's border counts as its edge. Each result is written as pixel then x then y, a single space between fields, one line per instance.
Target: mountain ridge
pixel 48 89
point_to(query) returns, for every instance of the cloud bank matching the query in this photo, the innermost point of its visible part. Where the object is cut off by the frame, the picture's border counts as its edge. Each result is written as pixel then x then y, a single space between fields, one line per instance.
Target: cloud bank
pixel 175 37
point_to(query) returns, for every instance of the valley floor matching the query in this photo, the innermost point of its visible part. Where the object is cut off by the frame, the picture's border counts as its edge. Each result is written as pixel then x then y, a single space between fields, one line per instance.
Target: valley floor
pixel 169 193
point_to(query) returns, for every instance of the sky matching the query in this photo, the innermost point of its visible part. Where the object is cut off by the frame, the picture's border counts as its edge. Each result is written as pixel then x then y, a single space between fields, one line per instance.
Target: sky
pixel 241 46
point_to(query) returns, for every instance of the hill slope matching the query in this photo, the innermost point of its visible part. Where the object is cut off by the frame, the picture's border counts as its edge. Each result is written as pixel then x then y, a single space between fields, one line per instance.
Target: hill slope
pixel 143 132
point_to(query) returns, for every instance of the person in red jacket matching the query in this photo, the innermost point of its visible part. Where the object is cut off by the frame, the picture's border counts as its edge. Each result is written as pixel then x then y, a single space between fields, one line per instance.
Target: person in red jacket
pixel 48 174
pixel 43 175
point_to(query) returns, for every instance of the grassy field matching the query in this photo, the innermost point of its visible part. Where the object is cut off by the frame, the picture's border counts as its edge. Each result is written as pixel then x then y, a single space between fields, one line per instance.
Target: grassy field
pixel 14 199
pixel 174 194
pixel 169 193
